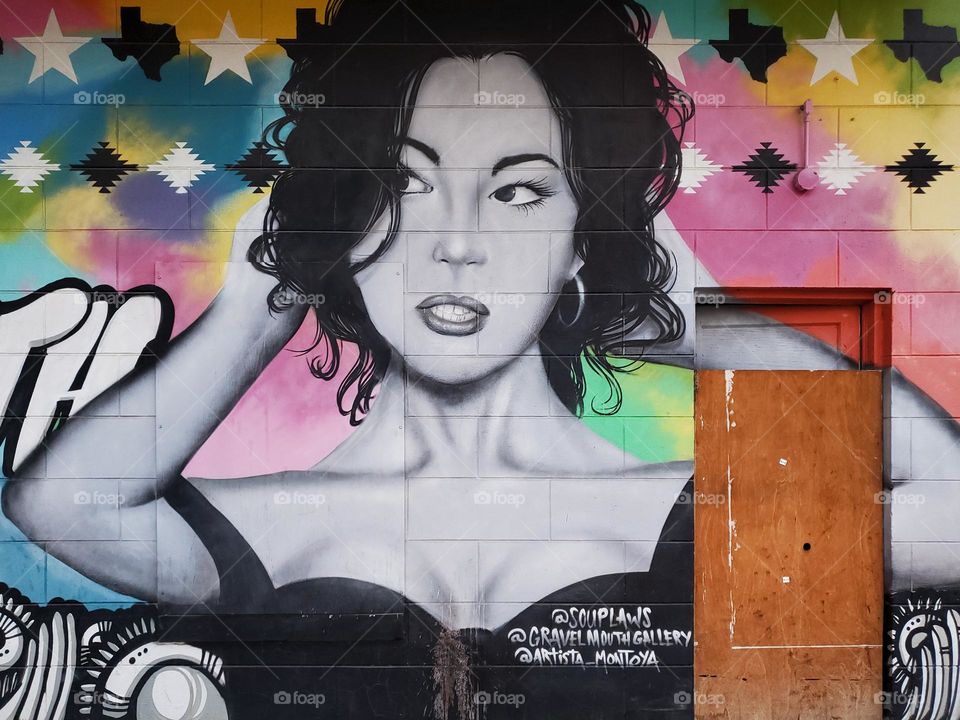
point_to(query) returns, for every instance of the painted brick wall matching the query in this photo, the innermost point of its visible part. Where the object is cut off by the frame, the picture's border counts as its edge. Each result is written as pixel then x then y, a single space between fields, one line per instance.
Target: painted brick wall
pixel 178 483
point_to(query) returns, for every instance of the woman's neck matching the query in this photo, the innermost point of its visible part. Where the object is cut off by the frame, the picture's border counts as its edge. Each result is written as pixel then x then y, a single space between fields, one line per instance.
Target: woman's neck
pixel 442 422
pixel 518 388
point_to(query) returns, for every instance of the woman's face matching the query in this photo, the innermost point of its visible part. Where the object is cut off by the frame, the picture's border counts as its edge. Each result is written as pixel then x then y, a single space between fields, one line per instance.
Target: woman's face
pixel 485 238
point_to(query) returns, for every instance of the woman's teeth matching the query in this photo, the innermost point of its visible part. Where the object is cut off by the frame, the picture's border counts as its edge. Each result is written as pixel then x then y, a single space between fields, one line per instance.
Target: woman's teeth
pixel 454 313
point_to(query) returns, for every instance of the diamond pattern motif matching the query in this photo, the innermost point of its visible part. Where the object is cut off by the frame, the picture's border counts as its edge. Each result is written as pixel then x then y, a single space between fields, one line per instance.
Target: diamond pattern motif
pixel 697 168
pixel 840 169
pixel 27 167
pixel 919 168
pixel 258 167
pixel 766 167
pixel 104 167
pixel 181 167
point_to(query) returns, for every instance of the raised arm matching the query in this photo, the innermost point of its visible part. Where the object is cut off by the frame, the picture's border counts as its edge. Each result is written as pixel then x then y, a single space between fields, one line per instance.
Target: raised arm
pixel 196 381
pixel 923 472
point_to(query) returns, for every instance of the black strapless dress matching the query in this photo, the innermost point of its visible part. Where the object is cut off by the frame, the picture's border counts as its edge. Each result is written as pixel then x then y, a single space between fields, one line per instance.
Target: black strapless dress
pixel 614 646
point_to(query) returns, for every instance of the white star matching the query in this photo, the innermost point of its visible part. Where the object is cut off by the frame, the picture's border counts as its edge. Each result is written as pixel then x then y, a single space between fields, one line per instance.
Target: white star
pixel 835 52
pixel 668 48
pixel 697 167
pixel 228 52
pixel 52 51
pixel 27 167
pixel 181 167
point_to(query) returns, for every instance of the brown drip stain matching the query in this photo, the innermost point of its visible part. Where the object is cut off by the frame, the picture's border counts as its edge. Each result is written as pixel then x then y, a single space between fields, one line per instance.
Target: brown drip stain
pixel 452 678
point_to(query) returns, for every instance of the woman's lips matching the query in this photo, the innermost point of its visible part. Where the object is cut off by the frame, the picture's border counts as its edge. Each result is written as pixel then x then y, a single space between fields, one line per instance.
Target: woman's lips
pixel 453 315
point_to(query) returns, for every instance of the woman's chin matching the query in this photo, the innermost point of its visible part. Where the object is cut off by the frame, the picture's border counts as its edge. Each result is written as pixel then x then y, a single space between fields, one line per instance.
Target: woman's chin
pixel 454 370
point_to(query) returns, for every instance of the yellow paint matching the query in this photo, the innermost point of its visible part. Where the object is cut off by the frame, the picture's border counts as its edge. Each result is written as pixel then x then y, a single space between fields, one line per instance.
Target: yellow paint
pixel 218 241
pixel 878 72
pixel 83 250
pixel 142 143
pixel 204 19
pixel 83 207
pixel 931 211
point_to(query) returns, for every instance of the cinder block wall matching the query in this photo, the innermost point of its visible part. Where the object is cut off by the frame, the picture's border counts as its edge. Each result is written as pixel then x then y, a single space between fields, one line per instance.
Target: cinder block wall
pixel 188 471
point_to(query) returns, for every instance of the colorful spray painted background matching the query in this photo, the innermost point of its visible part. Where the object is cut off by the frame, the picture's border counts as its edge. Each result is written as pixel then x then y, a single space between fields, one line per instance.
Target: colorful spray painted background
pixel 130 148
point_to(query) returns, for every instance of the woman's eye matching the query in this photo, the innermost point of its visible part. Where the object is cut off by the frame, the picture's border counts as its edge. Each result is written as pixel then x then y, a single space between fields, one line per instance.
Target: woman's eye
pixel 410 184
pixel 523 194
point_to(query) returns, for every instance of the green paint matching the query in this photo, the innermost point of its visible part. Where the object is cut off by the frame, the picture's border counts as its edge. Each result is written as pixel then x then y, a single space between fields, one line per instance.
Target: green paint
pixel 19 211
pixel 655 421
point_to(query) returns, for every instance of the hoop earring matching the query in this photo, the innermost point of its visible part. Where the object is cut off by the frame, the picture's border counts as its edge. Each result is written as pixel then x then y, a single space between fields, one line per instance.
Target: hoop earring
pixel 581 302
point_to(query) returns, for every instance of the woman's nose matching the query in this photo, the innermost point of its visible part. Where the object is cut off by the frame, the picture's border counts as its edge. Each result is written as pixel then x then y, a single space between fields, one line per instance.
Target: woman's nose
pixel 459 249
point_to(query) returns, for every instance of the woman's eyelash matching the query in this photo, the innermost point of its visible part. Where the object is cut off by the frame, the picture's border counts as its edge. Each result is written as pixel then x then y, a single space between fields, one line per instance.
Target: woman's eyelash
pixel 405 174
pixel 527 207
pixel 542 188
pixel 539 186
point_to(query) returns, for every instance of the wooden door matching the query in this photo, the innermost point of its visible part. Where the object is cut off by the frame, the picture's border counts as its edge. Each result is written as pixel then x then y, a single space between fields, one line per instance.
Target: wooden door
pixel 788 545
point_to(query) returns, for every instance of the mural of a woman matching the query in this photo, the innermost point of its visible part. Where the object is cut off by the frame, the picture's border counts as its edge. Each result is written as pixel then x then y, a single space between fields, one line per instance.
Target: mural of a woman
pixel 464 215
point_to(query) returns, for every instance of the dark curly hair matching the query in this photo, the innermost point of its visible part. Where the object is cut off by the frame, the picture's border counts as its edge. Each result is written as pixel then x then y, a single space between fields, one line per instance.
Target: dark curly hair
pixel 622 122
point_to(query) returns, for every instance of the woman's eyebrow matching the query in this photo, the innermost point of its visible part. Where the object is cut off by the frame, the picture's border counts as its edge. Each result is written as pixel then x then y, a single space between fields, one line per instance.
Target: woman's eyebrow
pixel 427 151
pixel 519 159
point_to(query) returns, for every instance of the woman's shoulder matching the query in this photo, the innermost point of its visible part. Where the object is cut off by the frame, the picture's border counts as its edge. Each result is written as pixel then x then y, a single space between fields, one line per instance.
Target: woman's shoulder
pixel 590 447
pixel 292 501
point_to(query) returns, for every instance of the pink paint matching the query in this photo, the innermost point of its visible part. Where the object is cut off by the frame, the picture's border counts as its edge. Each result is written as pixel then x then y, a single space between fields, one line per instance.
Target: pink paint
pixel 729 135
pixel 288 420
pixel 180 257
pixel 934 328
pixel 866 205
pixel 92 253
pixel 770 259
pixel 23 19
pixel 939 377
pixel 900 343
pixel 710 207
pixel 906 261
